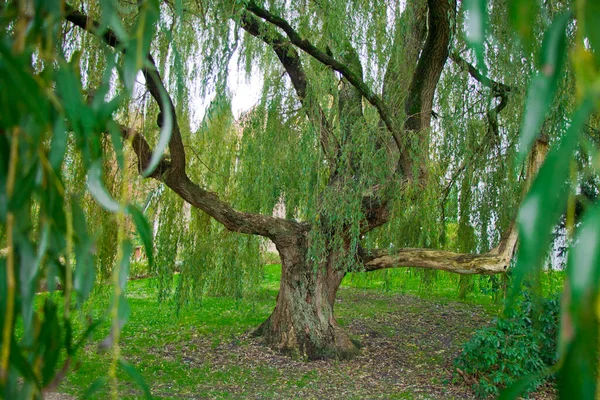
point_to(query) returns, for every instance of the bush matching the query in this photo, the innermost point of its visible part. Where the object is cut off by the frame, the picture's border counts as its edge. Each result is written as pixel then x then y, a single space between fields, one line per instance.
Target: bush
pixel 514 346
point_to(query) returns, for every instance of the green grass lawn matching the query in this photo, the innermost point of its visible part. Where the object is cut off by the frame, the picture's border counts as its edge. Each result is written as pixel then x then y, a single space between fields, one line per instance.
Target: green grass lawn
pixel 409 334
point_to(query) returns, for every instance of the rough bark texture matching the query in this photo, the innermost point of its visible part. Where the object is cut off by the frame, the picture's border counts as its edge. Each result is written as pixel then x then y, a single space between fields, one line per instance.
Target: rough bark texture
pixel 303 322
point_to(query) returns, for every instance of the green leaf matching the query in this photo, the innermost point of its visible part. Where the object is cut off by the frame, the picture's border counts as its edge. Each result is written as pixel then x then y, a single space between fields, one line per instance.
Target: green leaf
pixel 49 341
pixel 477 27
pixel 544 84
pixel 84 275
pixel 139 46
pixel 58 145
pixel 522 14
pixel 546 199
pixel 592 26
pixel 94 387
pixel 583 272
pixel 117 142
pixel 144 231
pixel 165 132
pixel 97 189
pixel 127 249
pixel 137 377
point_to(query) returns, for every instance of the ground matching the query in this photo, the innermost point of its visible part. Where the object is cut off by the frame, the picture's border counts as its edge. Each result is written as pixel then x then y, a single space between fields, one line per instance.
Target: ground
pixel 408 344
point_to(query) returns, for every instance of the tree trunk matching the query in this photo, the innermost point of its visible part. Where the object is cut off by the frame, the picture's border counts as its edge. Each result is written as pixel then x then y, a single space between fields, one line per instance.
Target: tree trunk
pixel 303 323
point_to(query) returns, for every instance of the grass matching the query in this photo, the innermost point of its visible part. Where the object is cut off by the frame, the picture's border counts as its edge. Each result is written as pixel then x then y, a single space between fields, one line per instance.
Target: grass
pixel 410 334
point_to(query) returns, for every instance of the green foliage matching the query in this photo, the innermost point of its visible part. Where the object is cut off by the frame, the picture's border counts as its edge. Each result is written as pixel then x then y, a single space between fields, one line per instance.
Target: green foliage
pixel 522 343
pixel 51 135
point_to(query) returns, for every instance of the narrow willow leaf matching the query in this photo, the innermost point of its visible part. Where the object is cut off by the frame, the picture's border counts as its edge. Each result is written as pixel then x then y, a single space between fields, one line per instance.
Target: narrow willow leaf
pixel 127 249
pixel 545 201
pixel 111 19
pixel 139 45
pixel 516 389
pixel 58 145
pixel 583 272
pixel 28 271
pixel 137 377
pixel 97 189
pixel 117 142
pixel 49 339
pixel 123 311
pixel 165 133
pixel 84 275
pixel 592 26
pixel 94 387
pixel 522 14
pixel 477 27
pixel 544 84
pixel 144 231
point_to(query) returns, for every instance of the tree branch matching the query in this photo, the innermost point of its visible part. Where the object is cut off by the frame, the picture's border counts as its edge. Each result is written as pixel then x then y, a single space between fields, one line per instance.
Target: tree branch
pixel 495 261
pixel 328 60
pixel 289 58
pixel 154 83
pixel 498 88
pixel 173 174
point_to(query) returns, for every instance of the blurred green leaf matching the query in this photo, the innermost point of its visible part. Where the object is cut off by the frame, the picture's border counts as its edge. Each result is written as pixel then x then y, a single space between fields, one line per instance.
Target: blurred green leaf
pixel 94 387
pixel 583 273
pixel 127 249
pixel 522 14
pixel 84 275
pixel 165 132
pixel 592 26
pixel 49 341
pixel 139 45
pixel 136 376
pixel 97 189
pixel 58 145
pixel 477 27
pixel 546 199
pixel 543 86
pixel 144 231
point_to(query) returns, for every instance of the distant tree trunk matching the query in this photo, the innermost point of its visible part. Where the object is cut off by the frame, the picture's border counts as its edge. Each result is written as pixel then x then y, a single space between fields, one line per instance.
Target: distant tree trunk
pixel 303 321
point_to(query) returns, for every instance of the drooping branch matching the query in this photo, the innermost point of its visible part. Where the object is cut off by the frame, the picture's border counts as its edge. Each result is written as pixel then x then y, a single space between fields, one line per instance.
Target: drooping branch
pixel 347 72
pixel 494 261
pixel 289 58
pixel 174 175
pixel 154 82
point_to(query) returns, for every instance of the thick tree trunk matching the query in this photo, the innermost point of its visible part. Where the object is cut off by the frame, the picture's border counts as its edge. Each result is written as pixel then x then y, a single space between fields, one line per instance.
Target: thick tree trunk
pixel 303 322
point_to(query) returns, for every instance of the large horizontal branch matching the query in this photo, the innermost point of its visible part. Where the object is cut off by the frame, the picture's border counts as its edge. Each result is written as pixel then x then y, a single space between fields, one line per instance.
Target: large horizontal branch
pixel 495 261
pixel 352 77
pixel 289 58
pixel 154 83
pixel 277 229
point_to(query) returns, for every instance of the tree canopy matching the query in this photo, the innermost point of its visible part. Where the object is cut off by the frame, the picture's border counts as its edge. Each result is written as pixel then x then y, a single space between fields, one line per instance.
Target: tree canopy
pixel 390 134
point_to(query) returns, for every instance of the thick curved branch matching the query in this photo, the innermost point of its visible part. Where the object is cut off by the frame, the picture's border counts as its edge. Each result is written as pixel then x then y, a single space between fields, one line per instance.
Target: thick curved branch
pixel 289 58
pixel 172 172
pixel 154 83
pixel 352 77
pixel 495 261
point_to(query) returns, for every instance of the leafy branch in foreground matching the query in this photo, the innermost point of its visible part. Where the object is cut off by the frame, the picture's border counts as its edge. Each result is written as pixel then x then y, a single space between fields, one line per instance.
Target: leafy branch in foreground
pixel 47 126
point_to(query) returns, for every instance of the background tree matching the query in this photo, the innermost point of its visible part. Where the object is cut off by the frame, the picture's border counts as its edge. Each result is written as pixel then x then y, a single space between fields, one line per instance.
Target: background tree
pixel 347 140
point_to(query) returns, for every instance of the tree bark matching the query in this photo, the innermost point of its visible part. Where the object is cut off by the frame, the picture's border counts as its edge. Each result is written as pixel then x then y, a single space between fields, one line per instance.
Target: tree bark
pixel 303 322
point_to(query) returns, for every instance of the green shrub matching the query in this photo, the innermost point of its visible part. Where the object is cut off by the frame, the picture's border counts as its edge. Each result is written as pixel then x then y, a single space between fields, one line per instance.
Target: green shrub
pixel 514 346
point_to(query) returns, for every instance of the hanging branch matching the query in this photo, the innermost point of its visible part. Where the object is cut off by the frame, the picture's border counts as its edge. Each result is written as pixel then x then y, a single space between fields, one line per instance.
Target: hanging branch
pixel 289 58
pixel 328 60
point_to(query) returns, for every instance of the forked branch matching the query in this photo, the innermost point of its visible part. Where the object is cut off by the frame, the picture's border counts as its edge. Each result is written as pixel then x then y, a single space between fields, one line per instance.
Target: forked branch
pixel 347 72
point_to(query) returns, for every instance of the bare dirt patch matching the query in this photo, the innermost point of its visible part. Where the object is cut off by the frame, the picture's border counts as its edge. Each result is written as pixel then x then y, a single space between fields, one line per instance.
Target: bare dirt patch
pixel 407 349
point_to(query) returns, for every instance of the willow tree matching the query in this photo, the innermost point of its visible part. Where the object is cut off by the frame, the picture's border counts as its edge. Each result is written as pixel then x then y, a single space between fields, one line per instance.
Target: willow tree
pixel 375 129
